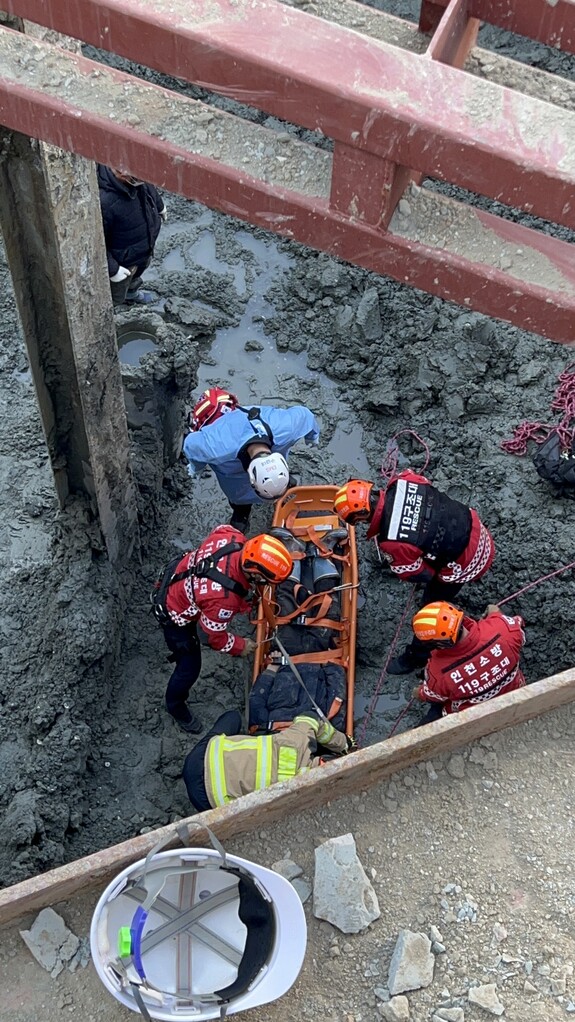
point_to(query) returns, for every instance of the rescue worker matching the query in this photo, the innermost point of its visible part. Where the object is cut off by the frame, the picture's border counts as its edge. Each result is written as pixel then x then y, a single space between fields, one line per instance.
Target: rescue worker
pixel 225 764
pixel 132 214
pixel 246 447
pixel 200 593
pixel 470 661
pixel 425 536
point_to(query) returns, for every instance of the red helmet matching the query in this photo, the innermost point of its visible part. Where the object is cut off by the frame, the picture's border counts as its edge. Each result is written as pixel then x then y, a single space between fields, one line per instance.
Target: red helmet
pixel 212 404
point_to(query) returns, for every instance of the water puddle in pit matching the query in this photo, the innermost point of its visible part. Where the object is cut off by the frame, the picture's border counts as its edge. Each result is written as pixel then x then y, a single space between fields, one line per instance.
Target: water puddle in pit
pixel 133 345
pixel 384 704
pixel 254 374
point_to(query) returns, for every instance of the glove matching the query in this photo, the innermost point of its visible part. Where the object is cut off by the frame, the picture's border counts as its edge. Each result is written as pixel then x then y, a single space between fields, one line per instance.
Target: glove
pixel 191 471
pixel 164 214
pixel 121 273
pixel 249 648
pixel 351 743
pixel 491 608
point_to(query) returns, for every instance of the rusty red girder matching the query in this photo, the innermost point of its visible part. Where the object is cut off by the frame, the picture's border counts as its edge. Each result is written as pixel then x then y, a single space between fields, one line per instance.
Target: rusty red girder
pixel 480 136
pixel 107 126
pixel 548 21
pixel 378 103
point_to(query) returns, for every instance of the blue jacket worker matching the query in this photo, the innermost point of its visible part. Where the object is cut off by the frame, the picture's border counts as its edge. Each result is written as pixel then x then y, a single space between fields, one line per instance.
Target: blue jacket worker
pixel 246 447
pixel 132 214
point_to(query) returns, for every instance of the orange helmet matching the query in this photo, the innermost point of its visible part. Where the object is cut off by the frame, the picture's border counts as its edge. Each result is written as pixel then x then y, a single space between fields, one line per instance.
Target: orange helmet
pixel 211 405
pixel 352 501
pixel 438 622
pixel 267 557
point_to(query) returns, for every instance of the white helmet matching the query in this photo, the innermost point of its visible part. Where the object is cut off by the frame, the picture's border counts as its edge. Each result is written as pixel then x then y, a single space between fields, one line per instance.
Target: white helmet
pixel 269 475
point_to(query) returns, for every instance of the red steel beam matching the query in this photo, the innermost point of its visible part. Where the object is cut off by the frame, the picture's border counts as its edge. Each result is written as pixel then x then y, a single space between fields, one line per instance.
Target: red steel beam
pixel 548 21
pixel 361 92
pixel 455 35
pixel 30 102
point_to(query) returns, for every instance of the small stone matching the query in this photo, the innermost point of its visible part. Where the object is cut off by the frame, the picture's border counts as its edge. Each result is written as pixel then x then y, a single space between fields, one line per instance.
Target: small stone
pixel 528 967
pixel 449 1015
pixel 435 934
pixel 558 985
pixel 253 346
pixel 50 941
pixel 529 988
pixel 456 766
pixel 412 963
pixel 486 997
pixel 382 993
pixel 430 771
pixel 287 868
pixel 337 868
pixel 303 889
pixel 404 207
pixel 438 948
pixel 499 933
pixel 396 1010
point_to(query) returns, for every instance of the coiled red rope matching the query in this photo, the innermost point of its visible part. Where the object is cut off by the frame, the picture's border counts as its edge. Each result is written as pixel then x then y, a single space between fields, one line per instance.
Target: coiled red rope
pixel 563 401
pixel 390 463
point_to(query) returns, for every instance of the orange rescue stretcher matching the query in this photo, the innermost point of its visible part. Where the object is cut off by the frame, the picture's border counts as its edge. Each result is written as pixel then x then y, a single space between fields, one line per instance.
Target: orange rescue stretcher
pixel 307 512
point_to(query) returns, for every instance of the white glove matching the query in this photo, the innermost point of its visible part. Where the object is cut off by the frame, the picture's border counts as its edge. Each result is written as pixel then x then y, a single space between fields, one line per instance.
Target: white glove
pixel 121 274
pixel 191 471
pixel 164 214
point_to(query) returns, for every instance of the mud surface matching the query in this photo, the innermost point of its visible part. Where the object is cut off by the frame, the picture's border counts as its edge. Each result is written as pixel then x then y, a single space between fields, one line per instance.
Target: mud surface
pixel 87 754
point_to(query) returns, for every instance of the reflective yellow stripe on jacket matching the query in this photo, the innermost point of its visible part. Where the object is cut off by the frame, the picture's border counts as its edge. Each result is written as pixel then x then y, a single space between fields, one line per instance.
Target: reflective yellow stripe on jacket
pixel 220 745
pixel 324 731
pixel 287 763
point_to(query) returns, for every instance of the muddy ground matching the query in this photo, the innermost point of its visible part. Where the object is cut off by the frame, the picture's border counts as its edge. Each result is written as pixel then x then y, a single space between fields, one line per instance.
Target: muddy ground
pixel 87 754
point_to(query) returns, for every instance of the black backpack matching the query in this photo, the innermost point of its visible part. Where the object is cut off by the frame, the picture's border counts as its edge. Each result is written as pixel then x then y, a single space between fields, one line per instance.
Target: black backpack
pixel 556 464
pixel 206 568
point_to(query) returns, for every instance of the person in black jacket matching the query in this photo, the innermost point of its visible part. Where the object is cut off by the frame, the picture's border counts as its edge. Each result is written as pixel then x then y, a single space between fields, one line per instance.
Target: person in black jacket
pixel 132 214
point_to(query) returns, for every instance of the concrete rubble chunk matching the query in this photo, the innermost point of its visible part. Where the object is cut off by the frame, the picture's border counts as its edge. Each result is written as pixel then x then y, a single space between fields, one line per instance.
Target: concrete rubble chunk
pixel 486 997
pixel 396 1010
pixel 287 868
pixel 342 893
pixel 449 1015
pixel 50 941
pixel 412 962
pixel 303 889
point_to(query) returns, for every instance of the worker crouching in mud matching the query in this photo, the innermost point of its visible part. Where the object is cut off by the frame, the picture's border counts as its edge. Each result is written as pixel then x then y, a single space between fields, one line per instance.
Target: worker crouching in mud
pixel 225 764
pixel 199 594
pixel 426 537
pixel 247 448
pixel 470 661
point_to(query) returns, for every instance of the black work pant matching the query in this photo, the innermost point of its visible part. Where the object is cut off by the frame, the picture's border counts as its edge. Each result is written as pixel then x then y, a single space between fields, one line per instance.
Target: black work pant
pixel 183 642
pixel 434 591
pixel 122 289
pixel 434 712
pixel 228 723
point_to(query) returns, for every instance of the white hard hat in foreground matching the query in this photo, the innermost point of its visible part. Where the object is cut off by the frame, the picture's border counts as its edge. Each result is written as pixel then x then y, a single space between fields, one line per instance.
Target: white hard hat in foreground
pixel 197 934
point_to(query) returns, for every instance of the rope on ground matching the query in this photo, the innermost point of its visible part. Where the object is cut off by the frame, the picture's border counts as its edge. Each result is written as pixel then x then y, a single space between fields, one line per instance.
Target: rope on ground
pixel 383 674
pixel 405 710
pixel 390 463
pixel 563 401
pixel 530 585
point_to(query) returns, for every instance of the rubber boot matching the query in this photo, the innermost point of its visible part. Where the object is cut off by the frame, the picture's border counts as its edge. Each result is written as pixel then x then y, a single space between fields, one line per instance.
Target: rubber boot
pixel 335 537
pixel 322 568
pixel 408 662
pixel 295 573
pixel 291 542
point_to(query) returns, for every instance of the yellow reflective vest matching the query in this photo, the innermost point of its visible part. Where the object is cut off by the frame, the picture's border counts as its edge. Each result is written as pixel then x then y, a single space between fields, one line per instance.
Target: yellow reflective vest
pixel 234 765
